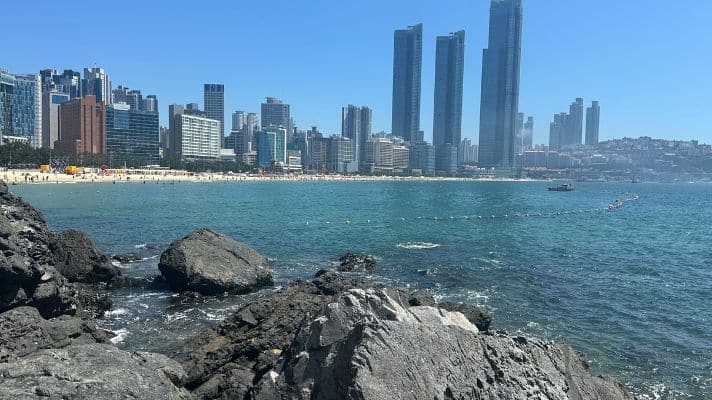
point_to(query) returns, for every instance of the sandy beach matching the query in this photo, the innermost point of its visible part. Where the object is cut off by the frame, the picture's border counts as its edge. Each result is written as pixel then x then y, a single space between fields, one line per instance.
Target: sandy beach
pixel 30 177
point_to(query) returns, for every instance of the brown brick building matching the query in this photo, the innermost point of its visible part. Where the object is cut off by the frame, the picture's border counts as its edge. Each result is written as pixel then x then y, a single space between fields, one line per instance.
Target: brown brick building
pixel 82 127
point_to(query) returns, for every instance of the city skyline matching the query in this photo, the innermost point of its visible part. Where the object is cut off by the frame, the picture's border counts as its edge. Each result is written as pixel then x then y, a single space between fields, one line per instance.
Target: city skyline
pixel 638 101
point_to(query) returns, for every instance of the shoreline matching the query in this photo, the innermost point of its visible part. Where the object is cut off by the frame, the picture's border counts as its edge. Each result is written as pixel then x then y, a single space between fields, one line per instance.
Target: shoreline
pixel 35 177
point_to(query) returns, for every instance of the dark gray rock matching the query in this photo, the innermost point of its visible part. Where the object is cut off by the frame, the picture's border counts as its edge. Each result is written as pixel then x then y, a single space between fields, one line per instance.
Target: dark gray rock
pixel 79 260
pixel 477 315
pixel 350 262
pixel 27 273
pixel 127 258
pixel 211 263
pixel 368 344
pixel 92 371
pixel 249 343
pixel 422 297
pixel 23 331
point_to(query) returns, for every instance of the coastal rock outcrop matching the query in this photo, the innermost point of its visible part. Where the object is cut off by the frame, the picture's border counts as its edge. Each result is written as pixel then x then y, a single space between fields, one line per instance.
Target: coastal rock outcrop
pixel 79 260
pixel 368 344
pixel 27 273
pixel 350 262
pixel 23 331
pixel 239 350
pixel 211 263
pixel 92 371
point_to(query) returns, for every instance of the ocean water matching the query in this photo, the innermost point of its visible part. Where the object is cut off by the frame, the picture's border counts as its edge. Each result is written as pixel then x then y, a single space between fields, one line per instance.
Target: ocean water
pixel 630 286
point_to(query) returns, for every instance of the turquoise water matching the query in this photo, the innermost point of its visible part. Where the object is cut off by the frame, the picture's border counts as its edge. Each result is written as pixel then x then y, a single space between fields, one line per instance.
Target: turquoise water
pixel 630 287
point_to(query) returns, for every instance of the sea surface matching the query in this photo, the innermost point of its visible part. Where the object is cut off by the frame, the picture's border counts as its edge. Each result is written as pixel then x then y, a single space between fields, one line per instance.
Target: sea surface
pixel 631 286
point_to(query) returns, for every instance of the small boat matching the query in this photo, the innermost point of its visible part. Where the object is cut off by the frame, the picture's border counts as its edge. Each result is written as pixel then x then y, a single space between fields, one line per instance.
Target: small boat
pixel 561 188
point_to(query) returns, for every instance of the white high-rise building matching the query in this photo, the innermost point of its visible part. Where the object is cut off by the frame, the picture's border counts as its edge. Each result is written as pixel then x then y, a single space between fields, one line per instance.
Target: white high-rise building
pixel 197 137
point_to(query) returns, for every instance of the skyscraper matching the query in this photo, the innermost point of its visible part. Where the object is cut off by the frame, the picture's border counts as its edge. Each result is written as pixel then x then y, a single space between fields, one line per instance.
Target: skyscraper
pixel 50 117
pixel 574 130
pixel 407 64
pixel 447 117
pixel 500 84
pixel 351 128
pixel 593 116
pixel 214 103
pixel 97 83
pixel 150 103
pixel 7 87
pixel 27 108
pixel 528 134
pixel 275 113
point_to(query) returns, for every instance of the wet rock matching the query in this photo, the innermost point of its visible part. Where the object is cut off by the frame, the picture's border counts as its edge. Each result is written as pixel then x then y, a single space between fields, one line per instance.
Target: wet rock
pixel 92 371
pixel 127 258
pixel 210 263
pixel 27 273
pixel 368 344
pixel 477 315
pixel 23 331
pixel 350 262
pixel 79 260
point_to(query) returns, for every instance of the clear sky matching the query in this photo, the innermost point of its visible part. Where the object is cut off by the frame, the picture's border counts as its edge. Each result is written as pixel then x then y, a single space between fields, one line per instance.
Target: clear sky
pixel 649 62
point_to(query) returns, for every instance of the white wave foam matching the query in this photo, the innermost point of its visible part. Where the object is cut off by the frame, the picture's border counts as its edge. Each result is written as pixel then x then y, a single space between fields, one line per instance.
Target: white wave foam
pixel 141 246
pixel 120 335
pixel 418 245
pixel 116 313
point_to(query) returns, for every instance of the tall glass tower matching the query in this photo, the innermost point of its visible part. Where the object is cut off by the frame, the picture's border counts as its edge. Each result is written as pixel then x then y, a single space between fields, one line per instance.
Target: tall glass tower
pixel 407 64
pixel 447 115
pixel 500 84
pixel 214 103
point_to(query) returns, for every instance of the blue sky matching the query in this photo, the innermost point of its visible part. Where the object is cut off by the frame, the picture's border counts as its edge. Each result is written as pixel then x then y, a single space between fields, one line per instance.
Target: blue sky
pixel 649 62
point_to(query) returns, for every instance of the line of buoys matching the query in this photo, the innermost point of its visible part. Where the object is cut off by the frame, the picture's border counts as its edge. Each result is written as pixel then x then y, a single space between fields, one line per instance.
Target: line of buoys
pixel 619 203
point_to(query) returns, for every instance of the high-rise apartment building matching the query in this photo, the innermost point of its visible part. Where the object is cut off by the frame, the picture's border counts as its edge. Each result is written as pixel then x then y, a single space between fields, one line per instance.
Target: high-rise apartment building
pixel 194 137
pixel 134 99
pixel 97 83
pixel 275 113
pixel 528 134
pixel 170 149
pixel 82 127
pixel 574 131
pixel 422 157
pixel 27 108
pixel 356 125
pixel 447 115
pixel 407 65
pixel 132 133
pixel 7 87
pixel 593 120
pixel 214 103
pixel 500 84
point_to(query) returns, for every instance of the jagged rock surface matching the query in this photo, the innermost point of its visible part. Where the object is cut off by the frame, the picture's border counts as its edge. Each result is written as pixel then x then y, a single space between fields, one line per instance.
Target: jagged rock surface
pixel 227 358
pixel 369 345
pixel 27 274
pixel 92 371
pixel 79 260
pixel 211 263
pixel 23 331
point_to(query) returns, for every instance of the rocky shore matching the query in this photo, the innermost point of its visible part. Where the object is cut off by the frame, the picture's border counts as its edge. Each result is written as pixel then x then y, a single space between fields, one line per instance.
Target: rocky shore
pixel 336 336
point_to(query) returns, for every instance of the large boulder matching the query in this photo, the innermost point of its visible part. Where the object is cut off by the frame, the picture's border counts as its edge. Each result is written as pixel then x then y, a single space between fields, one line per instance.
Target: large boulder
pixel 368 344
pixel 92 371
pixel 23 331
pixel 27 273
pixel 211 263
pixel 79 260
